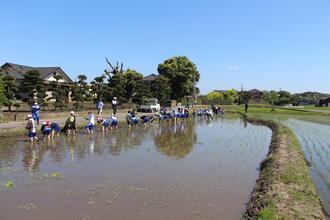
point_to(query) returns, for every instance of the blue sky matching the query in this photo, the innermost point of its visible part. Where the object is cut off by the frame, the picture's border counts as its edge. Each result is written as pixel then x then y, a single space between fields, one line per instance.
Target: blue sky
pixel 265 44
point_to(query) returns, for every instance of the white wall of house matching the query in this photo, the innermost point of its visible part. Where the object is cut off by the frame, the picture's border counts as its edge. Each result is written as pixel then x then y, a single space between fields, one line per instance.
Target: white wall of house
pixel 51 78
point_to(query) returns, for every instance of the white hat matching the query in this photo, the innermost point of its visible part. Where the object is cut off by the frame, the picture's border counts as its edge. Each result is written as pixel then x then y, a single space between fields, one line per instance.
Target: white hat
pixel 29 116
pixel 72 113
pixel 36 103
pixel 115 98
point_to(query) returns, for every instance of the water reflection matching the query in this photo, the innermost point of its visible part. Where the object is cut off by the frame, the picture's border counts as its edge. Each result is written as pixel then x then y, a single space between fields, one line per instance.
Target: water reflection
pixel 141 173
pixel 176 140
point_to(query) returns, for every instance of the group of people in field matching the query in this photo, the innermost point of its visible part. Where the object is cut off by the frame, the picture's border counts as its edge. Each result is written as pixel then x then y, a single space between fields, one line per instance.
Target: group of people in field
pixel 50 129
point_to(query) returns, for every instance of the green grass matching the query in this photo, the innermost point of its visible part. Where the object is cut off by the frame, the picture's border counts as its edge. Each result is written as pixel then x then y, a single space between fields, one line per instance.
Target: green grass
pixel 269 212
pixel 293 174
pixel 285 167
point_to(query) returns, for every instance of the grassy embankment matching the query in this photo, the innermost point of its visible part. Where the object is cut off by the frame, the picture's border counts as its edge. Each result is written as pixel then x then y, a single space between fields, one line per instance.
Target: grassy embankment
pixel 284 189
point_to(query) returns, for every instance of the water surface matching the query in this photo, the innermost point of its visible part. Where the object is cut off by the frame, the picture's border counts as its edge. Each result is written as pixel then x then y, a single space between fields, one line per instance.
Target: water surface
pixel 315 143
pixel 189 170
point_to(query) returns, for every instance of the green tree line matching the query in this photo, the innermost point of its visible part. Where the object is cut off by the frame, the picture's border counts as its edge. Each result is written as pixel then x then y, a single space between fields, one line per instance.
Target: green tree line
pixel 177 78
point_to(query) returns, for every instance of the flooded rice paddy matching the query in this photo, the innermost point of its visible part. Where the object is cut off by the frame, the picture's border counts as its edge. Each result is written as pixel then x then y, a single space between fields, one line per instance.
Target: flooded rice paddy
pixel 189 170
pixel 315 142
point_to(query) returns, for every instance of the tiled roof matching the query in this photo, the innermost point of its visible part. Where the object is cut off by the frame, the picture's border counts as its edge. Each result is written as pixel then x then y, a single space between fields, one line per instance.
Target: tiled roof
pixel 150 77
pixel 17 71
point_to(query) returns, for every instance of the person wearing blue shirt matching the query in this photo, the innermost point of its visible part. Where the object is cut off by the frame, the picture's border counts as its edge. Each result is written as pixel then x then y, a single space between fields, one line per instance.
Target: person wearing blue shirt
pixel 99 106
pixel 55 128
pixel 105 124
pixel 35 112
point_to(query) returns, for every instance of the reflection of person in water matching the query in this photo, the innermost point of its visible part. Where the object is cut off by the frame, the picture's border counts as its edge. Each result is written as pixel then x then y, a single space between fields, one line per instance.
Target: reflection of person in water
pixel 32 158
pixel 176 141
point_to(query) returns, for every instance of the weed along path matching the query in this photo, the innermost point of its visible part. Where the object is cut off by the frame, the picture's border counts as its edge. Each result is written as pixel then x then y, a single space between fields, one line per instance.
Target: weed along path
pixel 315 142
pixel 194 169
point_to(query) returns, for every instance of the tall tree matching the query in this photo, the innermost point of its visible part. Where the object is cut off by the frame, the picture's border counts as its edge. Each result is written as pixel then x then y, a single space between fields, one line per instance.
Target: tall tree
pixel 214 97
pixel 182 74
pixel 59 93
pixel 98 88
pixel 80 91
pixel 33 88
pixel 116 81
pixel 160 88
pixel 10 90
pixel 133 80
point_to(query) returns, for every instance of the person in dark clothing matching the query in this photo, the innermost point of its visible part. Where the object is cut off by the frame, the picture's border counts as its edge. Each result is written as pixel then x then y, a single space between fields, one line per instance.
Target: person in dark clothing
pixel 246 107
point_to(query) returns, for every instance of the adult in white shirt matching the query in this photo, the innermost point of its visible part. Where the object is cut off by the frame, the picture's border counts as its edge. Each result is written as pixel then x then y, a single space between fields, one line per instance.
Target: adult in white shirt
pixel 114 105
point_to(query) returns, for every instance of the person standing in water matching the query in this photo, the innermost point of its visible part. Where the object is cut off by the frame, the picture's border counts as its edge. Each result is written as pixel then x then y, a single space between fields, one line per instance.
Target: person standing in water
pixel 31 127
pixel 91 122
pixel 35 112
pixel 99 107
pixel 70 123
pixel 114 105
pixel 246 107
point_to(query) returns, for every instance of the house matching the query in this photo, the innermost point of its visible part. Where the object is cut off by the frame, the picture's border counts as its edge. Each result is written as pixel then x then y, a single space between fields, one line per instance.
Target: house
pixel 255 95
pixel 147 80
pixel 324 102
pixel 47 73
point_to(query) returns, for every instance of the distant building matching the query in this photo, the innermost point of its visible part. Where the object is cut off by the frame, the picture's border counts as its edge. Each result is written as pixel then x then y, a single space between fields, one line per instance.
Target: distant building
pixel 47 73
pixel 255 95
pixel 324 102
pixel 147 80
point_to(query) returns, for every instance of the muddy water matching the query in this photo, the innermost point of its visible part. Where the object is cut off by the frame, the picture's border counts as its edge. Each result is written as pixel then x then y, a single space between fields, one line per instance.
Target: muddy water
pixel 191 170
pixel 315 142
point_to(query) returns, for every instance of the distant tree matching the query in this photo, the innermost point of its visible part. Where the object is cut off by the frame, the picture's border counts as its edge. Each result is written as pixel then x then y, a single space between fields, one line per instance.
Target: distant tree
pixel 133 80
pixel 116 81
pixel 271 97
pixel 10 90
pixel 98 88
pixel 230 96
pixel 3 98
pixel 160 88
pixel 284 98
pixel 296 100
pixel 59 93
pixel 182 74
pixel 243 97
pixel 214 97
pixel 80 91
pixel 33 88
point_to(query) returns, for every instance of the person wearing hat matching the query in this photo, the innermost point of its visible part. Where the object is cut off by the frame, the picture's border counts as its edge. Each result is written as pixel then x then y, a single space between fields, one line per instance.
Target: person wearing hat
pixel 70 123
pixel 31 127
pixel 35 112
pixel 46 129
pixel 114 105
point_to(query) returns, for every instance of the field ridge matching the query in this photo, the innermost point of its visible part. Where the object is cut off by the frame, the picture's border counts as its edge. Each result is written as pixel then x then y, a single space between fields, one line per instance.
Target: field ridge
pixel 284 189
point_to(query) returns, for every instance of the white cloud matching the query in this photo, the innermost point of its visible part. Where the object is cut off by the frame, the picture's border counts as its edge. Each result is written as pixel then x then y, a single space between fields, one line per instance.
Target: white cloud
pixel 232 67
